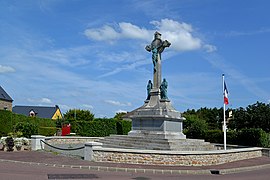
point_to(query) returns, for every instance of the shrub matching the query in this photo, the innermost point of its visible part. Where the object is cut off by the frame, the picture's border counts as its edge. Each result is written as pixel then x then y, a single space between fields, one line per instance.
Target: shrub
pixel 47 131
pixel 9 120
pixel 123 127
pixel 214 136
pixel 26 128
pixel 253 137
pixel 195 127
pixel 100 127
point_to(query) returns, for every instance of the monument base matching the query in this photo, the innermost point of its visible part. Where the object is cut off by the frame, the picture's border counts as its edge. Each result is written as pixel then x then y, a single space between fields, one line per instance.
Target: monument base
pixel 157 134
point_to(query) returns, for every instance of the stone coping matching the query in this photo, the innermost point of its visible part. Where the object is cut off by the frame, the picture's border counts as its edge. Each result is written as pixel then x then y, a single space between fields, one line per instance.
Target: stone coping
pixel 141 151
pixel 71 137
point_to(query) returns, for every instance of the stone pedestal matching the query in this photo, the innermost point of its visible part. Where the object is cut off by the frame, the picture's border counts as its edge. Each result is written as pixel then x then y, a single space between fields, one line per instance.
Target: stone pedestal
pixel 157 118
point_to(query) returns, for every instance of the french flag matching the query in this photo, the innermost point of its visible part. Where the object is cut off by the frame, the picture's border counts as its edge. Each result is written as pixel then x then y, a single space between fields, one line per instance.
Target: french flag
pixel 226 99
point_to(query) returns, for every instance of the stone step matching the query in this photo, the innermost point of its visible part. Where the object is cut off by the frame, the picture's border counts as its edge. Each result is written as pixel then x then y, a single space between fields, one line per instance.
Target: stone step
pixel 138 140
pixel 185 148
pixel 157 146
pixel 124 137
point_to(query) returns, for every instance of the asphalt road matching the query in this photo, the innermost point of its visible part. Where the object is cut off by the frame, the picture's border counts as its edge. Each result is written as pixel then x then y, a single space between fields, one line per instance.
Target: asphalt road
pixel 20 171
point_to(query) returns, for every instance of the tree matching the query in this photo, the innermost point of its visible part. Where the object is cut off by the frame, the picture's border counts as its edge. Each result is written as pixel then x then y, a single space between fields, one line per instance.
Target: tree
pixel 119 116
pixel 79 115
pixel 195 127
pixel 213 117
pixel 254 116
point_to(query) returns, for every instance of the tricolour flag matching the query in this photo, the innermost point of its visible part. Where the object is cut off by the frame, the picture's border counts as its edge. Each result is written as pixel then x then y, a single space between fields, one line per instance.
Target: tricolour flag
pixel 226 99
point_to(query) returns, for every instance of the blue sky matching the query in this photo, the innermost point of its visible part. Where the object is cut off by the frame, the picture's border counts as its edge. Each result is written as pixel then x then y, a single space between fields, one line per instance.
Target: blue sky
pixel 90 54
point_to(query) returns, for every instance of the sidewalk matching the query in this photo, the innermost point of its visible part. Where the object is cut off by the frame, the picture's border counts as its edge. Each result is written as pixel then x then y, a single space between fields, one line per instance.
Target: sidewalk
pixel 49 159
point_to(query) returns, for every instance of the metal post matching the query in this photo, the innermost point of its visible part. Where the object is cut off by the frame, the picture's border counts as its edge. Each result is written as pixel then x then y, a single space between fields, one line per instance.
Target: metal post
pixel 224 116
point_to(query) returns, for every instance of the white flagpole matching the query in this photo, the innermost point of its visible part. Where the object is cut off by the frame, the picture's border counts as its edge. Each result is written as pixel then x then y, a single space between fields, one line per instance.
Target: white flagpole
pixel 224 116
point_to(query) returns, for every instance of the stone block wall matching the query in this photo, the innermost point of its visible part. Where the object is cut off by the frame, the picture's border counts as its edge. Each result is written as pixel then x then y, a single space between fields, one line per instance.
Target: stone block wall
pixel 177 159
pixel 5 104
pixel 69 139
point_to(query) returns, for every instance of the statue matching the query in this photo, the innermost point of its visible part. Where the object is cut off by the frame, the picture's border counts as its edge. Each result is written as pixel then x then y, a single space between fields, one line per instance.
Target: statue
pixel 157 47
pixel 163 89
pixel 149 87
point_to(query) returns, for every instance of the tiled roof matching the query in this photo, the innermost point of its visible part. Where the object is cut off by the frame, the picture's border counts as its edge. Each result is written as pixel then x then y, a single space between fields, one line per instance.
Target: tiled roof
pixel 4 96
pixel 40 111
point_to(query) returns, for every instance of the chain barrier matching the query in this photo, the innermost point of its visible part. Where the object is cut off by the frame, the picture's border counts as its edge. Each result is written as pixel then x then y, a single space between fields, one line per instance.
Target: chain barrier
pixel 64 149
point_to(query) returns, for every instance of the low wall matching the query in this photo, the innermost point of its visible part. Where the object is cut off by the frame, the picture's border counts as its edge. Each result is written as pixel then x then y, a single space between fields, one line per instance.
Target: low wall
pixel 93 151
pixel 70 139
pixel 174 158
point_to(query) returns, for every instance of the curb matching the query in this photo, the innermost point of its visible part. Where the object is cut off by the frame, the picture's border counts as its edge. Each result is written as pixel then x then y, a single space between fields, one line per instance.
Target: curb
pixel 151 171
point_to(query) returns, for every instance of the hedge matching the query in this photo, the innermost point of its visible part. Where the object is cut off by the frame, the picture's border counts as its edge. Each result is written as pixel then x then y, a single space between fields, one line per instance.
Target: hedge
pixel 47 131
pixel 8 120
pixel 100 127
pixel 246 137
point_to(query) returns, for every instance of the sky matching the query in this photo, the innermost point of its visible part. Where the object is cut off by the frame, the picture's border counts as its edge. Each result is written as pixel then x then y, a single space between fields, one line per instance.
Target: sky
pixel 91 54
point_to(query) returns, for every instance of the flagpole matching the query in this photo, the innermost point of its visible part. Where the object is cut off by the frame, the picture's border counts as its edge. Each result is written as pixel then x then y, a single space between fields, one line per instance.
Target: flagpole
pixel 224 115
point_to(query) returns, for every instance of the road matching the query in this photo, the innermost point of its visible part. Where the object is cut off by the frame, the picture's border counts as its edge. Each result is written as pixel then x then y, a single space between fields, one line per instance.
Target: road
pixel 20 171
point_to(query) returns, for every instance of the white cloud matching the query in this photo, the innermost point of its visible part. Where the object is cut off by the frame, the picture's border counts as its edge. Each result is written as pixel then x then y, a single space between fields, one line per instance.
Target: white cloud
pixel 46 100
pixel 106 33
pixel 180 34
pixel 42 100
pixel 6 69
pixel 209 48
pixel 88 106
pixel 129 30
pixel 117 103
pixel 120 111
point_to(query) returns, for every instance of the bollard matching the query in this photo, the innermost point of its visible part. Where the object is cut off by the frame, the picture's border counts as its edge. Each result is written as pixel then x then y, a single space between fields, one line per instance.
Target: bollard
pixel 88 150
pixel 35 142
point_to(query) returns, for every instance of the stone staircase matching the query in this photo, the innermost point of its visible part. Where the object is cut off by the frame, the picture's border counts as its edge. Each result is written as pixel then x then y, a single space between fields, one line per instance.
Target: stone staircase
pixel 155 143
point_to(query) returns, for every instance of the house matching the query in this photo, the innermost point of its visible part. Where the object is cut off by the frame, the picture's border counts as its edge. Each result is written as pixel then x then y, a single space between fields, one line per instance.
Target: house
pixel 39 111
pixel 5 100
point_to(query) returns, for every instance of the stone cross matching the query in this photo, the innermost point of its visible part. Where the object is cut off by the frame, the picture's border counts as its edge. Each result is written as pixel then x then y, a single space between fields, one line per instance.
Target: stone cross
pixel 157 47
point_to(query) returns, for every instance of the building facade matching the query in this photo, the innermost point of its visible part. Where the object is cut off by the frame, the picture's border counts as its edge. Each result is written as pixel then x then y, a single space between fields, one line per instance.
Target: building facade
pixel 5 100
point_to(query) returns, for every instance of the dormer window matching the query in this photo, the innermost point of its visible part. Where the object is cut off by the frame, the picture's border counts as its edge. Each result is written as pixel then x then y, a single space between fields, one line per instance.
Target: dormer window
pixel 32 113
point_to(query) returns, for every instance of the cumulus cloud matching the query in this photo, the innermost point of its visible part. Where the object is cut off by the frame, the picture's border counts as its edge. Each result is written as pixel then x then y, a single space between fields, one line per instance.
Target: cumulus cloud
pixel 106 33
pixel 117 103
pixel 180 34
pixel 6 69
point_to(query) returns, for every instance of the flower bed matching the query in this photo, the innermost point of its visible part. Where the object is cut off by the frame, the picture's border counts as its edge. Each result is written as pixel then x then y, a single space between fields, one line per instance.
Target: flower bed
pixel 14 144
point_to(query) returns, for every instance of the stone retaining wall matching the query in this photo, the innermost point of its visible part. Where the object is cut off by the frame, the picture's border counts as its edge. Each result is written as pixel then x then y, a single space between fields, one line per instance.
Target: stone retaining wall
pixel 93 151
pixel 199 158
pixel 70 139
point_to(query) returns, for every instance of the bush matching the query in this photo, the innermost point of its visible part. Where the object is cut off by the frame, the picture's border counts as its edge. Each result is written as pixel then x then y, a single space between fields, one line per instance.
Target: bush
pixel 214 136
pixel 100 127
pixel 26 128
pixel 47 131
pixel 9 120
pixel 195 127
pixel 253 137
pixel 123 127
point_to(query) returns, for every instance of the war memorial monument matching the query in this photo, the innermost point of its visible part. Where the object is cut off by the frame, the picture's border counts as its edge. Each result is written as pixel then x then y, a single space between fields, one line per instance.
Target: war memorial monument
pixel 156 125
pixel 156 137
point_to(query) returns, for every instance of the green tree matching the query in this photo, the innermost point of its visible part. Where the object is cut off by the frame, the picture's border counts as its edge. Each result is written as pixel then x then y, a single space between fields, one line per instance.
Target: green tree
pixel 254 116
pixel 78 115
pixel 194 127
pixel 119 116
pixel 26 128
pixel 212 116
